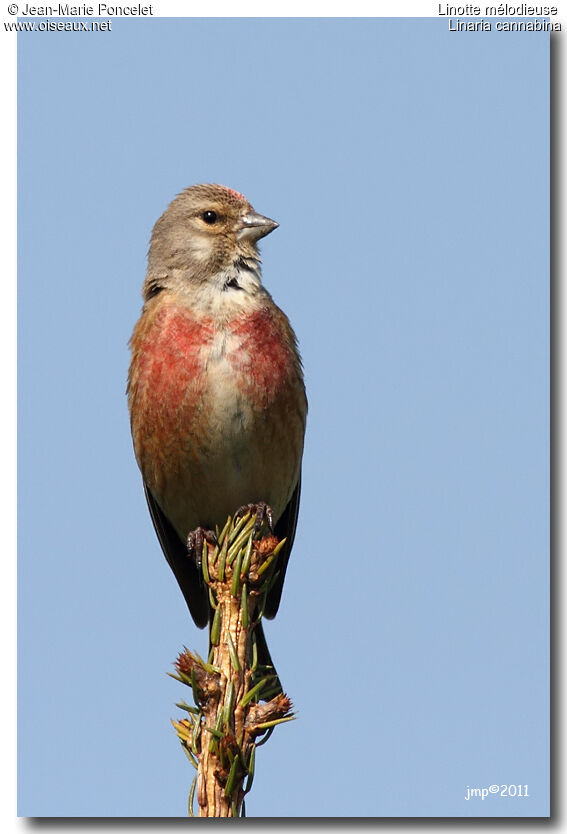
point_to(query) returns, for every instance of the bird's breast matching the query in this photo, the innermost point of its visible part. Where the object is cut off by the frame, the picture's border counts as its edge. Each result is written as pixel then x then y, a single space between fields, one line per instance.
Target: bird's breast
pixel 217 410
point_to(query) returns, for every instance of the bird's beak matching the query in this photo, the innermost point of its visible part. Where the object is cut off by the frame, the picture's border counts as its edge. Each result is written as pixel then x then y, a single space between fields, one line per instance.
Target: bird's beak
pixel 254 226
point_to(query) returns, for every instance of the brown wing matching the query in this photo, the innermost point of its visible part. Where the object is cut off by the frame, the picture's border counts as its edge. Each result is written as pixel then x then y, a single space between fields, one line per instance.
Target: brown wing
pixel 284 528
pixel 186 573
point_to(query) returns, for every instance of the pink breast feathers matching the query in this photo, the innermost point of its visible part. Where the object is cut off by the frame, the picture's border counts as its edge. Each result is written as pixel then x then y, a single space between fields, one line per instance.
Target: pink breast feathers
pixel 265 361
pixel 171 353
pixel 167 377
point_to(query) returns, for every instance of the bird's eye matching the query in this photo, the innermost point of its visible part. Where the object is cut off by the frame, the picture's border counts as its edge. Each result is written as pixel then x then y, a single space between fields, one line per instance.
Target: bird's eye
pixel 210 217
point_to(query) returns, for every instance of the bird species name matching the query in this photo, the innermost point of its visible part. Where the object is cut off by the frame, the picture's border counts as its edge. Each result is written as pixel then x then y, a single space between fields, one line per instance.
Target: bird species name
pixel 530 25
pixel 503 10
pixel 101 10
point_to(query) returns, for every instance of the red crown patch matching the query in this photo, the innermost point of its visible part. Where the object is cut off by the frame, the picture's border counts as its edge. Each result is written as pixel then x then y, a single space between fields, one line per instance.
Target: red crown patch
pixel 233 193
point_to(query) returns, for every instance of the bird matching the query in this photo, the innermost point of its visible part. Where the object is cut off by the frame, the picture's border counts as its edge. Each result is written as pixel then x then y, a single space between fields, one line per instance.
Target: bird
pixel 216 391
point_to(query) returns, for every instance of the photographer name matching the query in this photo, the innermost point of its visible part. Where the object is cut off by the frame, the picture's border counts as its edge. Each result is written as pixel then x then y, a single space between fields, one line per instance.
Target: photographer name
pixel 101 10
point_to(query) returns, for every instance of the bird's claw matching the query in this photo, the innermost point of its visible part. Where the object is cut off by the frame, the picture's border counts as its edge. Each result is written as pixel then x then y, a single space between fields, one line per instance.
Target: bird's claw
pixel 263 511
pixel 195 541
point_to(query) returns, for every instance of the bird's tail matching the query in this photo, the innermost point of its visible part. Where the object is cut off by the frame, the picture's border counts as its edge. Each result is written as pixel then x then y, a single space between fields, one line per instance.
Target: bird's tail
pixel 265 661
pixel 264 664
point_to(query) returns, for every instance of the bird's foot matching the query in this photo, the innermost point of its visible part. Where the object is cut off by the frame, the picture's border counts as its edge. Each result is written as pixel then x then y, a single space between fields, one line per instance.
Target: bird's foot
pixel 263 511
pixel 195 541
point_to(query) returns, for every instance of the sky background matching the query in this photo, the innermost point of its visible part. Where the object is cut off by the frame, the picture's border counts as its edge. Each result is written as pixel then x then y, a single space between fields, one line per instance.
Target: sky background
pixel 408 168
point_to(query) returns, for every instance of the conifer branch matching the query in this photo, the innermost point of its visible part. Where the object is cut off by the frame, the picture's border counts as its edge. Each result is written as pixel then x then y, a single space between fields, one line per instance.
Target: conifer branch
pixel 221 731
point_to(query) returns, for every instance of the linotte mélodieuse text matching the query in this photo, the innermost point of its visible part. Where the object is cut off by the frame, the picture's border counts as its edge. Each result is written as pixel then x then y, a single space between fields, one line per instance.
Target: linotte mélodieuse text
pixel 100 10
pixel 529 15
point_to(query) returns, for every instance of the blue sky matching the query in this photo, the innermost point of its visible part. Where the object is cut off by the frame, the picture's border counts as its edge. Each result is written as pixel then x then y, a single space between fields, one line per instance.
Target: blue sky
pixel 408 168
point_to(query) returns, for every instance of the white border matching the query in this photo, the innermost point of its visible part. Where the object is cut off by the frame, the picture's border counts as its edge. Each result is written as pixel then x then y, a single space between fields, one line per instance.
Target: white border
pixel 8 194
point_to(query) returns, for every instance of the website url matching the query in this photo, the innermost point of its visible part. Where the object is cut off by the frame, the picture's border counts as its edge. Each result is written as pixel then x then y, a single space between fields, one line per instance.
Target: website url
pixel 58 26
